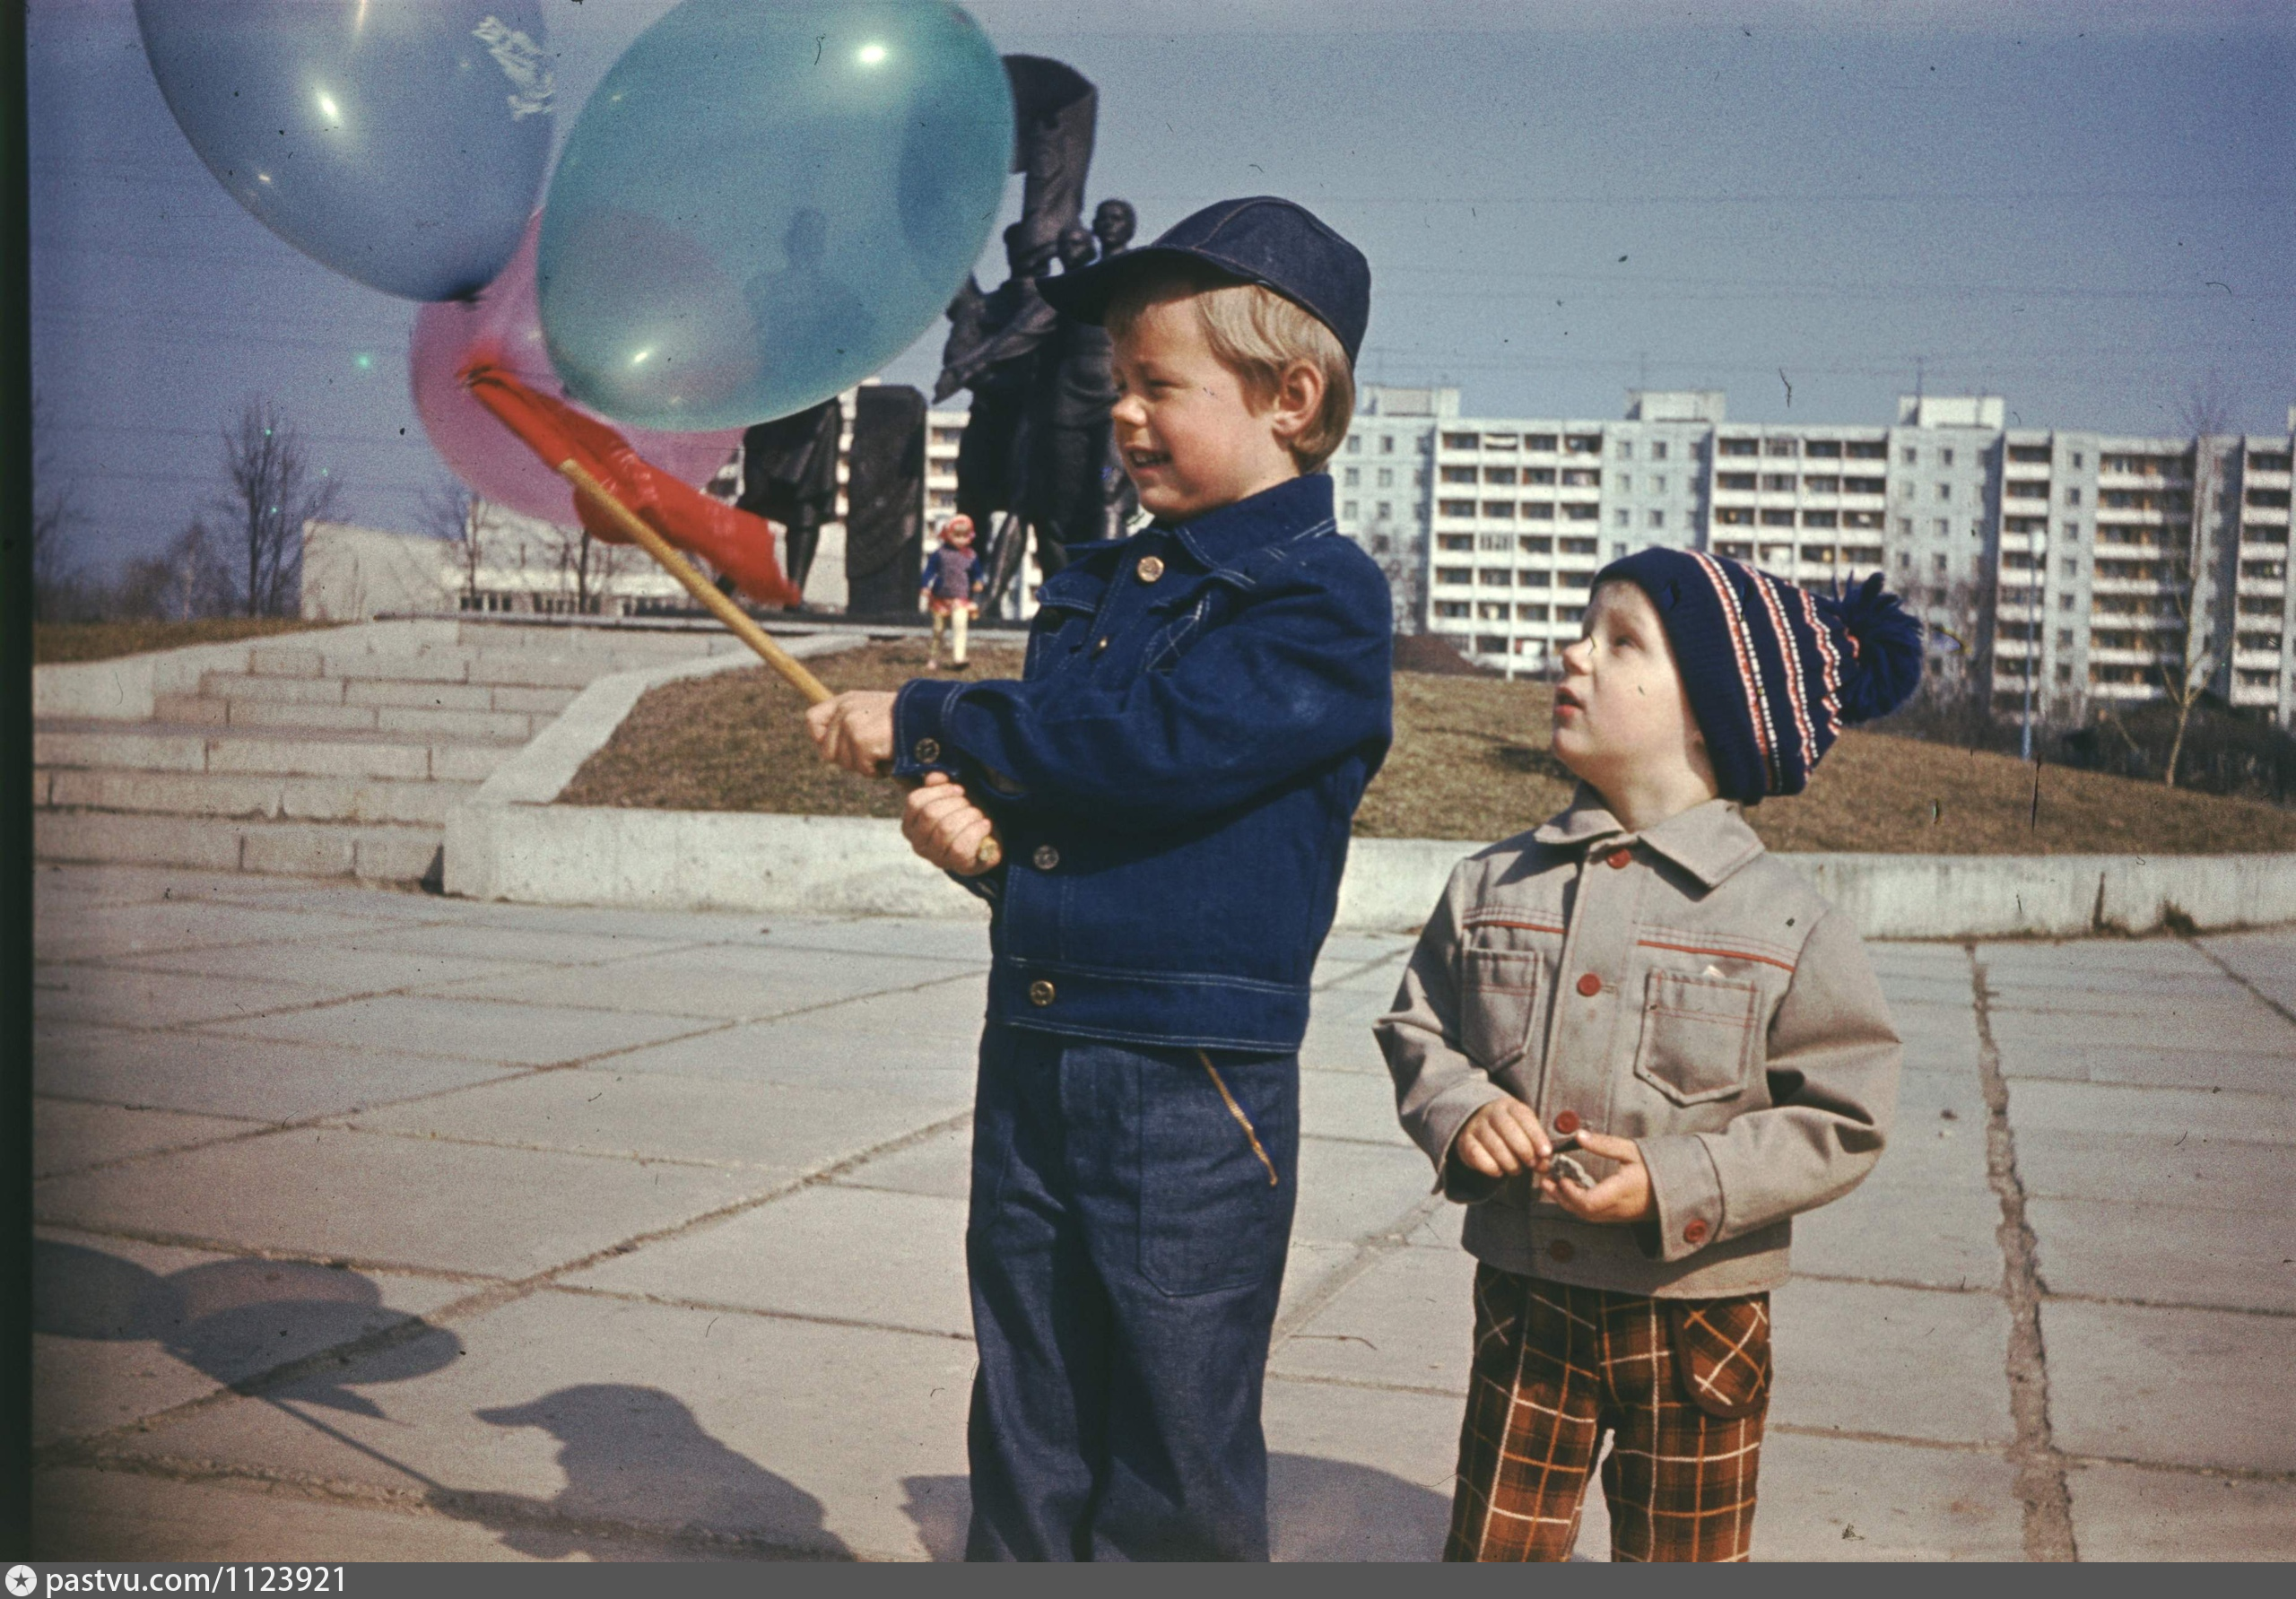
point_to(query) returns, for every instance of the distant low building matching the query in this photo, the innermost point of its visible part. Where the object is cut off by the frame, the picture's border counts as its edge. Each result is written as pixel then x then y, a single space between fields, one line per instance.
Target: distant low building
pixel 508 563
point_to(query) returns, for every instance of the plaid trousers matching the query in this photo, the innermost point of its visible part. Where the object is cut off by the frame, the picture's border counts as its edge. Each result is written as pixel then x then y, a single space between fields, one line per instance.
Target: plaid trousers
pixel 1684 1386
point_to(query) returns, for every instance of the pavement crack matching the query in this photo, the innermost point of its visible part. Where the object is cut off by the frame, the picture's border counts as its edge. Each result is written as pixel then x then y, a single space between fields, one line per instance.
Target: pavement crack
pixel 2227 968
pixel 2039 1466
pixel 1369 1252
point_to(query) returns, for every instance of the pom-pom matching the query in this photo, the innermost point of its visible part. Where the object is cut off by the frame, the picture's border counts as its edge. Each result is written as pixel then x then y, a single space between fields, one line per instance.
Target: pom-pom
pixel 1884 668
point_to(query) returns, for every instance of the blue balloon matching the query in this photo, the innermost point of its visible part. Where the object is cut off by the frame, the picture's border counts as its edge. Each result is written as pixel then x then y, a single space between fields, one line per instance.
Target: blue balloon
pixel 400 142
pixel 765 201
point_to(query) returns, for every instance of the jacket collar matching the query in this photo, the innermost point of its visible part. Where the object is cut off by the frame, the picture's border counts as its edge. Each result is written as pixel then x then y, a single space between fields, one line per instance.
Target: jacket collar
pixel 1709 841
pixel 1293 510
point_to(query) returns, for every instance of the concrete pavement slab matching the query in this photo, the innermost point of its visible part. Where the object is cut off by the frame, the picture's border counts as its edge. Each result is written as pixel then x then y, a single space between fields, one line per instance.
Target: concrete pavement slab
pixel 724 982
pixel 1350 1105
pixel 1308 1266
pixel 2139 1170
pixel 1407 1323
pixel 2117 994
pixel 2129 1513
pixel 2078 961
pixel 1941 989
pixel 545 947
pixel 668 927
pixel 2048 1104
pixel 2172 1386
pixel 100 932
pixel 1358 1474
pixel 243 1078
pixel 650 1116
pixel 340 972
pixel 1349 1190
pixel 1833 1499
pixel 939 1166
pixel 393 1202
pixel 2265 960
pixel 962 940
pixel 123 1330
pixel 1342 1046
pixel 98 994
pixel 2238 1022
pixel 82 1514
pixel 2131 1248
pixel 72 1136
pixel 2239 1071
pixel 1905 1362
pixel 850 1255
pixel 468 1029
pixel 1939 1237
pixel 584 1413
pixel 871 1045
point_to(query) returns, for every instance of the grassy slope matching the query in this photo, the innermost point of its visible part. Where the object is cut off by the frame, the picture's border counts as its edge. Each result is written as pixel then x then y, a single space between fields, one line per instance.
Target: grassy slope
pixel 56 643
pixel 1471 762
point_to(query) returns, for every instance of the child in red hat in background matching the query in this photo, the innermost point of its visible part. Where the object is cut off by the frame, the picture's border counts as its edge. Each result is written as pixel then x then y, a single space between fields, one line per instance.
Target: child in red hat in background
pixel 952 576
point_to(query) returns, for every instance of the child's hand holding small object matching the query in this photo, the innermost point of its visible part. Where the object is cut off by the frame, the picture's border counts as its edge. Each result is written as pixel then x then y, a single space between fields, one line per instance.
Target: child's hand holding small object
pixel 855 730
pixel 943 826
pixel 1624 1195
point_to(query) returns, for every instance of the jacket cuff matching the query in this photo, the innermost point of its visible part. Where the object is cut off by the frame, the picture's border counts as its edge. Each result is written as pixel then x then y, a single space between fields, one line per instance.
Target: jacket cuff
pixel 1685 1196
pixel 920 721
pixel 1439 1130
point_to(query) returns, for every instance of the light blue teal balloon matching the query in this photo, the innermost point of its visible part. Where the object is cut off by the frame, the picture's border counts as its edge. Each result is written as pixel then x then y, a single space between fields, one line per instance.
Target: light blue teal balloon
pixel 765 201
pixel 402 143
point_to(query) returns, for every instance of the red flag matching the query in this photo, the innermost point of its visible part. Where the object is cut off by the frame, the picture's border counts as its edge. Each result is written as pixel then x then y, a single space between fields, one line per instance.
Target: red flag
pixel 734 541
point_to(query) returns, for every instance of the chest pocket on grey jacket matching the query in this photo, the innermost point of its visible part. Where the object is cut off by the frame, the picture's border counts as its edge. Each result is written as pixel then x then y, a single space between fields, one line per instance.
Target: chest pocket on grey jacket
pixel 1698 1036
pixel 1498 1004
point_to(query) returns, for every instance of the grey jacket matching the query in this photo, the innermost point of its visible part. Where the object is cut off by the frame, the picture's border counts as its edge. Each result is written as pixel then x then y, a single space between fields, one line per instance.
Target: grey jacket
pixel 1680 987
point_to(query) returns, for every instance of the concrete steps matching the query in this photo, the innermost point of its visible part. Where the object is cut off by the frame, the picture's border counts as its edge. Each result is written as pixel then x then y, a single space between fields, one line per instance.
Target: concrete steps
pixel 338 752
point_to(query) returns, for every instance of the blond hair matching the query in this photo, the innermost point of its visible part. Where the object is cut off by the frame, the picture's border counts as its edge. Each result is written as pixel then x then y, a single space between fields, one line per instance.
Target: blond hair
pixel 1256 333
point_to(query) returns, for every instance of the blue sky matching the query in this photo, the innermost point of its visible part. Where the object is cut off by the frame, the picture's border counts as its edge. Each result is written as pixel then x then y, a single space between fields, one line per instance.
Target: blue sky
pixel 2085 208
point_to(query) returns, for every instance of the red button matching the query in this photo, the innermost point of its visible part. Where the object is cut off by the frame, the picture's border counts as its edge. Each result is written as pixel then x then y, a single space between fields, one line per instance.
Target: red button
pixel 1566 1121
pixel 1561 1250
pixel 1590 985
pixel 1619 857
pixel 1695 1231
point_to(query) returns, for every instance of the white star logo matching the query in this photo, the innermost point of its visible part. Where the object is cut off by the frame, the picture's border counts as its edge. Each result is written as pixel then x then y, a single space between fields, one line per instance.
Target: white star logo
pixel 22 1580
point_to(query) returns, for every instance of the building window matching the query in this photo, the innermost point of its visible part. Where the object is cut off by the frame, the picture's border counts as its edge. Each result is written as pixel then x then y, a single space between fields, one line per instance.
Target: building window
pixel 1530 545
pixel 1618 551
pixel 1386 510
pixel 1622 517
pixel 1494 541
pixel 1909 455
pixel 1777 483
pixel 1944 490
pixel 1582 477
pixel 1579 547
pixel 2076 457
pixel 1861 486
pixel 1945 457
pixel 1905 560
pixel 1867 449
pixel 1530 613
pixel 1569 613
pixel 1462 441
pixel 1657 518
pixel 2072 496
pixel 1538 510
pixel 1822 484
pixel 1386 444
pixel 1499 441
pixel 1778 519
pixel 1347 510
pixel 1542 442
pixel 1387 477
pixel 1937 563
pixel 1582 444
pixel 1500 508
pixel 1492 612
pixel 1453 609
pixel 1354 444
pixel 1659 450
pixel 2064 602
pixel 1781 447
pixel 1734 516
pixel 1905 527
pixel 1626 449
pixel 1658 485
pixel 1737 447
pixel 1456 508
pixel 1734 480
pixel 1454 574
pixel 1351 477
pixel 1455 541
pixel 1535 578
pixel 1459 475
pixel 1580 513
pixel 2071 566
pixel 1626 484
pixel 1538 475
pixel 1494 577
pixel 1819 520
pixel 1498 475
pixel 1941 527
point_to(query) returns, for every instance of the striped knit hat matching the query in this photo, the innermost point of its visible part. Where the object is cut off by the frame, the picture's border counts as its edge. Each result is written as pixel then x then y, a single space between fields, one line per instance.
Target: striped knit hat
pixel 1774 672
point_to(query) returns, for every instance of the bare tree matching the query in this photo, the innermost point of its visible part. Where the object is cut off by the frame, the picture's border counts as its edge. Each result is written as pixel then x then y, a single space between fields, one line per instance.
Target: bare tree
pixel 2205 415
pixel 62 589
pixel 1399 559
pixel 274 491
pixel 192 577
pixel 452 512
pixel 588 567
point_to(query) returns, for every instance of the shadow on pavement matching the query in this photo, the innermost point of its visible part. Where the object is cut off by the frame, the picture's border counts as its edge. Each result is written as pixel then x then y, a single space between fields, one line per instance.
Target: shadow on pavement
pixel 236 1319
pixel 1318 1509
pixel 637 1457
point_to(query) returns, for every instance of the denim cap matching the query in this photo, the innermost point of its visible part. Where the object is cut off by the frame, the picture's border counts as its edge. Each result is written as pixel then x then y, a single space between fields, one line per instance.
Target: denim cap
pixel 1261 239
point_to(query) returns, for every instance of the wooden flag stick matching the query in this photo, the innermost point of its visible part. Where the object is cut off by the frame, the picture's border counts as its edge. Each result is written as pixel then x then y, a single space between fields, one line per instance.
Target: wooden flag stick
pixel 792 670
pixel 716 604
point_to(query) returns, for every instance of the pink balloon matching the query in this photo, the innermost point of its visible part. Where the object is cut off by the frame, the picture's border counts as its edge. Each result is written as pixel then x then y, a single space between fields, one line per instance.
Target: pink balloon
pixel 504 322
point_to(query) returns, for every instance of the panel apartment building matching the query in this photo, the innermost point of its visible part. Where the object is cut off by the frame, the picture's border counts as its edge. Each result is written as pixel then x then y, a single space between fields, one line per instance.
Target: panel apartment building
pixel 2042 559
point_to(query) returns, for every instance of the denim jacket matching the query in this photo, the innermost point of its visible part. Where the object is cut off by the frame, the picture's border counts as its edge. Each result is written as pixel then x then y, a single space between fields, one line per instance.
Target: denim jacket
pixel 1175 775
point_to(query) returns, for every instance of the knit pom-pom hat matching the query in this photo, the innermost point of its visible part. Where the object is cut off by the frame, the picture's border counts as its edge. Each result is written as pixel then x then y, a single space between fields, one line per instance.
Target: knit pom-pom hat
pixel 1774 673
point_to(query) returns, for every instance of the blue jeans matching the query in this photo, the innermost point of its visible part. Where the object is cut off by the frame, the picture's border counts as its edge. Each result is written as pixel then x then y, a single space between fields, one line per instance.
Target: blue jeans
pixel 1126 1243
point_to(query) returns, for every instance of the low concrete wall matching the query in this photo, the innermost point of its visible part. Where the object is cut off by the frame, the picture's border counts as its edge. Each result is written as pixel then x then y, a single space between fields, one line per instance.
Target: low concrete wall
pixel 832 866
pixel 126 688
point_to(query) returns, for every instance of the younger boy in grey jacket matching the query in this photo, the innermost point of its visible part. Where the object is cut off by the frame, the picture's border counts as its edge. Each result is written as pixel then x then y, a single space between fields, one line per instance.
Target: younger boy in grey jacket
pixel 1638 981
